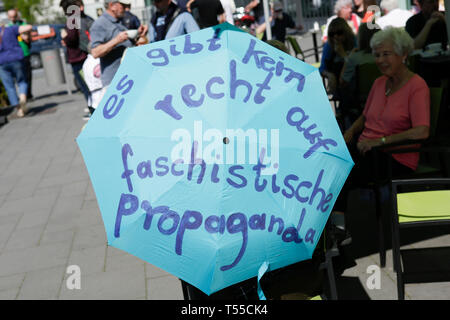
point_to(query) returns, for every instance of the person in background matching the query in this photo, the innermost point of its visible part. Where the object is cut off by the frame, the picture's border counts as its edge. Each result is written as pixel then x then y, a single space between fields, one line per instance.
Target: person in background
pixel 369 14
pixel 12 68
pixel 109 39
pixel 415 7
pixel 360 55
pixel 279 21
pixel 392 15
pixel 77 43
pixel 25 43
pixel 349 104
pixel 129 20
pixel 182 4
pixel 229 7
pixel 397 109
pixel 343 9
pixel 428 26
pixel 358 8
pixel 258 10
pixel 92 76
pixel 341 41
pixel 208 12
pixel 170 21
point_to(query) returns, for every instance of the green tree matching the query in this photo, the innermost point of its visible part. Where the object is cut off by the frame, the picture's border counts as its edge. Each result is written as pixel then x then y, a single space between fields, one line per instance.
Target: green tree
pixel 27 8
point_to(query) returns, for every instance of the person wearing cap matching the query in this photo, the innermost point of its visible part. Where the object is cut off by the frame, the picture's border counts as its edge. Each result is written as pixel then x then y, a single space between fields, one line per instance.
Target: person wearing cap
pixel 109 38
pixel 279 21
pixel 170 21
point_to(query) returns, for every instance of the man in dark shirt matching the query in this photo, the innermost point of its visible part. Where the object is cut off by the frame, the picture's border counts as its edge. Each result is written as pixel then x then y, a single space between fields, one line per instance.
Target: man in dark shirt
pixel 428 26
pixel 182 4
pixel 129 20
pixel 208 10
pixel 279 21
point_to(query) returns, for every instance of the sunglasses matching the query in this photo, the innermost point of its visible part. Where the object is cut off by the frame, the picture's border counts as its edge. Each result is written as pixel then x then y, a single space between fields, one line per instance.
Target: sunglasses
pixel 336 33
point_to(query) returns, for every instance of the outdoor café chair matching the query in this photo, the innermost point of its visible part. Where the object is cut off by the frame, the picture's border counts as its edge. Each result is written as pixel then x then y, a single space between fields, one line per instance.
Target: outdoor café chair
pixel 298 50
pixel 427 207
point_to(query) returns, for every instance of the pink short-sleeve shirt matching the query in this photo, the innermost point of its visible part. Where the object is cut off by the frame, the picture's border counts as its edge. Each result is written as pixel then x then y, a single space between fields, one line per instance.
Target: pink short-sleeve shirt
pixel 406 108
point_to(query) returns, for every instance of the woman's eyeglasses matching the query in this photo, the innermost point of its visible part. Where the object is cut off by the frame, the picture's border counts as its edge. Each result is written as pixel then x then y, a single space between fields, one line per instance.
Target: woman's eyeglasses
pixel 335 33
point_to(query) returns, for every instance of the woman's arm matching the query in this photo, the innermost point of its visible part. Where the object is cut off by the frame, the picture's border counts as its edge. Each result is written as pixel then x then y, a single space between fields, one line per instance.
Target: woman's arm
pixel 103 49
pixel 356 128
pixel 421 38
pixel 251 5
pixel 416 133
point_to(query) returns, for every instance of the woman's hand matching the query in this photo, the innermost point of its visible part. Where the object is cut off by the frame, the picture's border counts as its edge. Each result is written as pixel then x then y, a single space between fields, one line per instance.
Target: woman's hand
pixel 366 145
pixel 348 136
pixel 435 17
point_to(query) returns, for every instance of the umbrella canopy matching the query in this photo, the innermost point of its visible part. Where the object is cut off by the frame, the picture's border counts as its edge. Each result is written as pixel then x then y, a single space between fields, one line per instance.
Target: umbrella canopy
pixel 213 154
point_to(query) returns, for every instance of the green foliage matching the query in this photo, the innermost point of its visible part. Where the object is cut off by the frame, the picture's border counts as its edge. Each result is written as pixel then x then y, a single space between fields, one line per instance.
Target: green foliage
pixel 27 8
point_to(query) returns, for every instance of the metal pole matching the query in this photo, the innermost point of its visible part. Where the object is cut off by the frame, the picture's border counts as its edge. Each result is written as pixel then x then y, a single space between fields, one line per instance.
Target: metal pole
pixel 266 18
pixel 64 66
pixel 316 48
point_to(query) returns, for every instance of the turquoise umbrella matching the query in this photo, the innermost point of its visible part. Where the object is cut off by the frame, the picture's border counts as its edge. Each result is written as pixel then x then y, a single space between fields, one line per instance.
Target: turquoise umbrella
pixel 214 156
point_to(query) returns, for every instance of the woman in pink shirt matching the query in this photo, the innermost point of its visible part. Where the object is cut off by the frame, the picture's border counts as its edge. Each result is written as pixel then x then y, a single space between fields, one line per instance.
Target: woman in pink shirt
pixel 397 109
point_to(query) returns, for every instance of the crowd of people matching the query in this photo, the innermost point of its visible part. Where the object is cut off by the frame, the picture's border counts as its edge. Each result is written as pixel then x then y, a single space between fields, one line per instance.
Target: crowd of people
pixel 396 109
pixel 95 48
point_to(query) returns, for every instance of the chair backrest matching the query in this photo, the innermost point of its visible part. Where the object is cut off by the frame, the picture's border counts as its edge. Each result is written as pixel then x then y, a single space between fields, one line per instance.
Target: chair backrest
pixel 296 47
pixel 366 74
pixel 413 63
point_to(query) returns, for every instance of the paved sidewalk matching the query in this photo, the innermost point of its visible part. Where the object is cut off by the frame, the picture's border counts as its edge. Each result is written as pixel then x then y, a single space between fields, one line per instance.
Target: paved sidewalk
pixel 49 220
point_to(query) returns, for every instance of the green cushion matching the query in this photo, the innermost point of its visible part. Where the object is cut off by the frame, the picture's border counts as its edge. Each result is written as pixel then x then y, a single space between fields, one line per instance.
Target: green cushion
pixel 423 206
